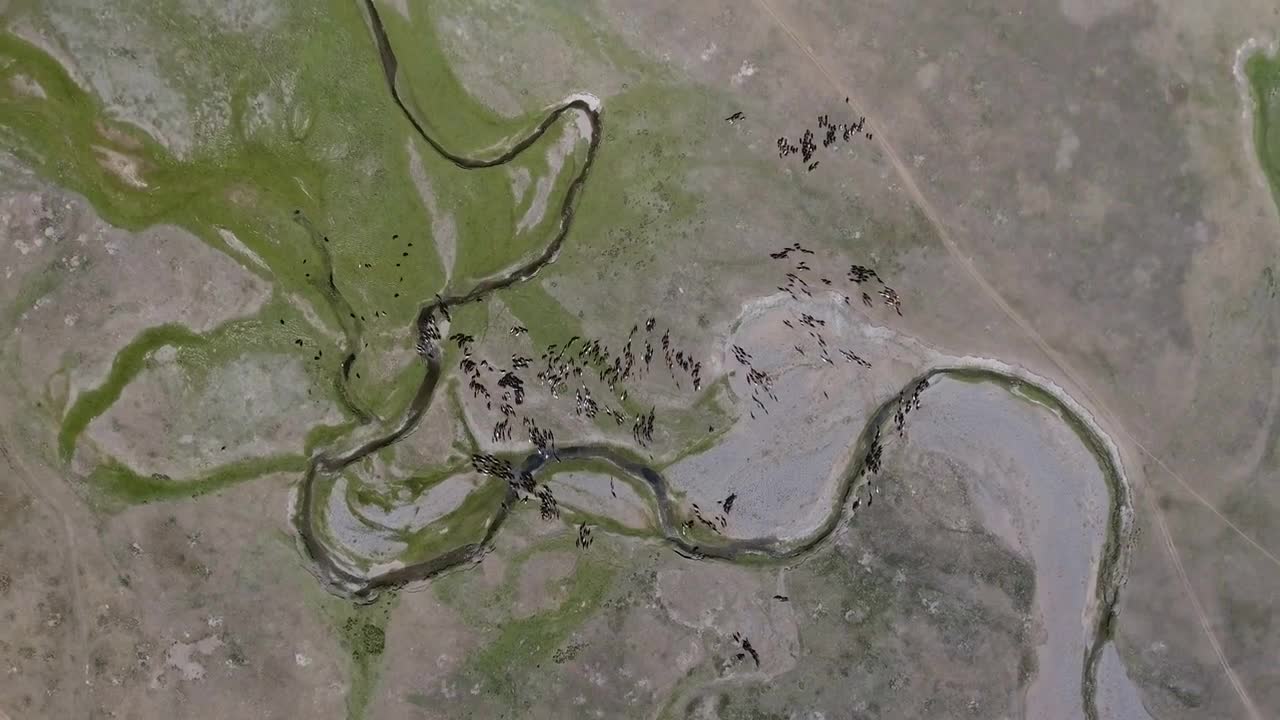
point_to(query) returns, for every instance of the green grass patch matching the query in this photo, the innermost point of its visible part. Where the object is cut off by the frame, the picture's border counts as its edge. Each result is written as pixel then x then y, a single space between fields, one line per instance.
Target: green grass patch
pixel 547 320
pixel 118 482
pixel 360 493
pixel 698 429
pixel 127 364
pixel 441 104
pixel 1263 73
pixel 481 199
pixel 392 398
pixel 322 435
pixel 625 224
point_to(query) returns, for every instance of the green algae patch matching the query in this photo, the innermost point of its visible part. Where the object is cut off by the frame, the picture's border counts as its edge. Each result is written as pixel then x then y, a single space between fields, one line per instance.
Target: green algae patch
pixel 1263 73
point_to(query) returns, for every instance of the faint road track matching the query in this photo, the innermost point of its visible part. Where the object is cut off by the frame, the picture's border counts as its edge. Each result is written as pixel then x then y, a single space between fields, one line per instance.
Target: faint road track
pixel 927 208
pixel 77 673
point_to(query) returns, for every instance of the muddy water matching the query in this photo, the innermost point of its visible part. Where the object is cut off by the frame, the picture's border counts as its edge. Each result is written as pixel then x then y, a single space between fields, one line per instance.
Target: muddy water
pixel 1040 488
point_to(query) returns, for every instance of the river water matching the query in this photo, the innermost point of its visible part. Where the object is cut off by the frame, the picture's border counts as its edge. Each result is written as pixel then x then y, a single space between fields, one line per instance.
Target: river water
pixel 1039 487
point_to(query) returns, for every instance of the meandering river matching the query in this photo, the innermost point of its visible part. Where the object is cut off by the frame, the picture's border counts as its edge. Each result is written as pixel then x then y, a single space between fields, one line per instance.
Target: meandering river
pixel 340 577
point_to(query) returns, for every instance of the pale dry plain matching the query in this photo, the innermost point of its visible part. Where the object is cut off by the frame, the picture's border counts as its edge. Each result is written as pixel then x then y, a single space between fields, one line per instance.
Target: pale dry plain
pixel 205 206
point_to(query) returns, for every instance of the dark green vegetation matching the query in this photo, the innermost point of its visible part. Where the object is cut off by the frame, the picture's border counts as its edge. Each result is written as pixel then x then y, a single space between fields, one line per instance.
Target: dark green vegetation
pixel 363 638
pixel 1263 72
